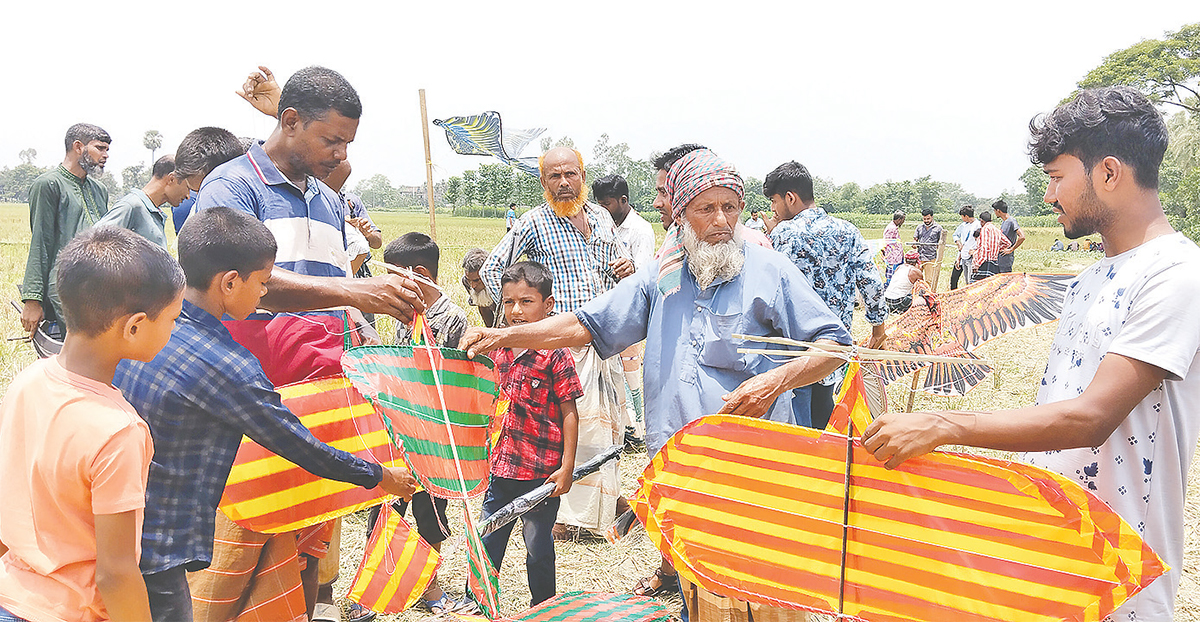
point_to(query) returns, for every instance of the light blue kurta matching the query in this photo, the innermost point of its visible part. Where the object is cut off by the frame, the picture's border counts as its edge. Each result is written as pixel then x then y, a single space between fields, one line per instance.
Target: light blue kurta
pixel 691 356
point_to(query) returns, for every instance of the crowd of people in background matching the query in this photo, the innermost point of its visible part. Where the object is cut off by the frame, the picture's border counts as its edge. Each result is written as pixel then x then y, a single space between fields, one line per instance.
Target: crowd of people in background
pixel 116 450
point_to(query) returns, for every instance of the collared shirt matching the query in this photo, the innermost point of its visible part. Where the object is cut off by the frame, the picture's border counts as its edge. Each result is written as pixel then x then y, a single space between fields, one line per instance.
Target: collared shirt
pixel 309 228
pixel 928 238
pixel 581 268
pixel 60 206
pixel 199 396
pixel 836 259
pixel 447 322
pixel 638 237
pixel 991 242
pixel 692 358
pixel 137 213
pixel 537 382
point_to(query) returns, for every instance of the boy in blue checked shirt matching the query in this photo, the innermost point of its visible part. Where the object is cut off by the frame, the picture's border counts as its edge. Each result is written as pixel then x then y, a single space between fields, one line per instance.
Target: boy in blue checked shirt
pixel 202 393
pixel 539 433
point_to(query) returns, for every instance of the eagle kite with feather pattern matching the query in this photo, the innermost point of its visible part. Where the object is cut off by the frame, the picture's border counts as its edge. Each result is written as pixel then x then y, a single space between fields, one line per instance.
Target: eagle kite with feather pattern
pixel 954 323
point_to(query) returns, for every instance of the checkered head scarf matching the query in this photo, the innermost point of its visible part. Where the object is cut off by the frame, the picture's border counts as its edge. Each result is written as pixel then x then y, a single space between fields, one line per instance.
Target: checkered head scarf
pixel 694 173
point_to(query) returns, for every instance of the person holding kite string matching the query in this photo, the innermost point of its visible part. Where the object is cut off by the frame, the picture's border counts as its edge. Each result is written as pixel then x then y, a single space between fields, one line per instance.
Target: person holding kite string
pixel 688 303
pixel 1117 407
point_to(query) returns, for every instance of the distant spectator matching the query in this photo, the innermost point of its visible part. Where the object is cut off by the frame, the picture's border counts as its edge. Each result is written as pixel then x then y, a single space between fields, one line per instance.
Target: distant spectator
pixel 964 239
pixel 510 217
pixel 1012 231
pixel 140 211
pixel 1057 245
pixel 477 292
pixel 755 221
pixel 893 248
pixel 928 236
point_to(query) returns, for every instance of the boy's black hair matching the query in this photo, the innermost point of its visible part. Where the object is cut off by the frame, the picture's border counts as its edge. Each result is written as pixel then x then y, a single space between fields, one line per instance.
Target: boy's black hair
pixel 610 187
pixel 986 217
pixel 204 149
pixel 219 239
pixel 532 274
pixel 1000 206
pixel 789 177
pixel 109 272
pixel 414 249
pixel 1109 121
pixel 967 210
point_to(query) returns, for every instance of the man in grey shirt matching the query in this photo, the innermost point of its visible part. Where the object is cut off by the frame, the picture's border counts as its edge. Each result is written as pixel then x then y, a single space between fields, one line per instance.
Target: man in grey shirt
pixel 141 211
pixel 1012 231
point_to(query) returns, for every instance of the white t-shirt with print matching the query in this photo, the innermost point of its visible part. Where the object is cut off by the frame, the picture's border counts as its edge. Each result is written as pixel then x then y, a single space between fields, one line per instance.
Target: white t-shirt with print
pixel 1139 304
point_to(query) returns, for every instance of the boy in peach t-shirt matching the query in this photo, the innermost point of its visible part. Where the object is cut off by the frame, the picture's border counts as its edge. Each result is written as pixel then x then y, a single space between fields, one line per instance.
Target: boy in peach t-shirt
pixel 73 453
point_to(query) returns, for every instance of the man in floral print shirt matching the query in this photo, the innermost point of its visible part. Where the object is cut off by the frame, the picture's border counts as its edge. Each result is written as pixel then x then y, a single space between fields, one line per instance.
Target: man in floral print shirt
pixel 832 254
pixel 1118 403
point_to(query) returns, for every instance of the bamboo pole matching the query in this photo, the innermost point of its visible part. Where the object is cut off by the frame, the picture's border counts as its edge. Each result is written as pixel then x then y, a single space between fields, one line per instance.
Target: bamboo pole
pixel 428 167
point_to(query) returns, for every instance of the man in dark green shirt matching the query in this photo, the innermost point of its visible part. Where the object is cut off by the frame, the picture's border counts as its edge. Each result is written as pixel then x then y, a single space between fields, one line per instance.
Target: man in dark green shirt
pixel 139 210
pixel 62 203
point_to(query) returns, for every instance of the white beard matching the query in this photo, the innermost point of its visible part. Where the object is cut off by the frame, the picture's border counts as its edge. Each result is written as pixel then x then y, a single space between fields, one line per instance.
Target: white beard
pixel 710 262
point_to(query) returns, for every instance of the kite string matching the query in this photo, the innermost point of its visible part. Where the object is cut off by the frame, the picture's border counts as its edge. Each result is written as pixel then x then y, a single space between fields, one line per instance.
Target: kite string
pixel 437 382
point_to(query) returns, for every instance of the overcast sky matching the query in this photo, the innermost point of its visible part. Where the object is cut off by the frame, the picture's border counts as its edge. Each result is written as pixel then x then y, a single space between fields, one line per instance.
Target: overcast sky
pixel 857 91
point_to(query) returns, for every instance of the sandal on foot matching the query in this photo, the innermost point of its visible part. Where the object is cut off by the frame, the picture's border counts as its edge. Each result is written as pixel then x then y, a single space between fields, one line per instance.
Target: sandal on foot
pixel 358 613
pixel 667 584
pixel 445 604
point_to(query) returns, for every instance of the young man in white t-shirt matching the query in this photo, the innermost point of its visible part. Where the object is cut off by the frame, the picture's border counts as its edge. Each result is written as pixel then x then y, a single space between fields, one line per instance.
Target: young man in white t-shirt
pixel 1118 410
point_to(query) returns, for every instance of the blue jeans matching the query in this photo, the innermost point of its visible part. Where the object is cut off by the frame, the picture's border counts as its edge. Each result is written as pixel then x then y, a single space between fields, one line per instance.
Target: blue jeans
pixel 170 598
pixel 536 525
pixel 7 616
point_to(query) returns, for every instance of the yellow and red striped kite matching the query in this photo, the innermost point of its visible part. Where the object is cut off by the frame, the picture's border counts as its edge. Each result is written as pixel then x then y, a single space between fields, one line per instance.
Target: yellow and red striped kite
pixel 268 494
pixel 773 514
pixel 407 384
pixel 397 567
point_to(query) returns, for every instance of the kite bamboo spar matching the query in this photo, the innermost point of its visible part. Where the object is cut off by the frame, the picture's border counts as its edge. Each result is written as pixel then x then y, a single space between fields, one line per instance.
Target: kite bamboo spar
pixel 846 353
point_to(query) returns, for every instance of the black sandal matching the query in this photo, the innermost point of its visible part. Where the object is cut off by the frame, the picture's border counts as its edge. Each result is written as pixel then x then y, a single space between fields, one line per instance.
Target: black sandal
pixel 667 584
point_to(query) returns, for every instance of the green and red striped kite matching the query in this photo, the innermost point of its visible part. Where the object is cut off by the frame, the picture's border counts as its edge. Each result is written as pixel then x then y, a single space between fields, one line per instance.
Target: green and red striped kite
pixel 410 385
pixel 269 494
pixel 590 606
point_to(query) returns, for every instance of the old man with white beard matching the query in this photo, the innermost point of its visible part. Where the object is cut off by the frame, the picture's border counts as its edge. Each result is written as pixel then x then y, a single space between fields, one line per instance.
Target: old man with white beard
pixel 707 286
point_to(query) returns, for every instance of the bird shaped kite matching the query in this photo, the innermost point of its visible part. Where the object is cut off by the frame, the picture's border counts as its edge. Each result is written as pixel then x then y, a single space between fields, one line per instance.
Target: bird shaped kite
pixel 954 323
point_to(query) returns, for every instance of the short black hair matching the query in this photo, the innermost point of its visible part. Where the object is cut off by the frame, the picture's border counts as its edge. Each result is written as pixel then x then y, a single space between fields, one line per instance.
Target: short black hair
pixel 474 259
pixel 109 272
pixel 789 177
pixel 204 149
pixel 532 274
pixel 163 166
pixel 1109 121
pixel 85 133
pixel 967 210
pixel 672 155
pixel 1000 206
pixel 314 91
pixel 413 249
pixel 610 187
pixel 986 217
pixel 219 239
pixel 926 212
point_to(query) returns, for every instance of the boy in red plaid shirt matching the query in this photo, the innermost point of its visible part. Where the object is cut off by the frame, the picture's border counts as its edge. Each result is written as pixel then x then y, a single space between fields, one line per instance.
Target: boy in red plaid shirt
pixel 539 433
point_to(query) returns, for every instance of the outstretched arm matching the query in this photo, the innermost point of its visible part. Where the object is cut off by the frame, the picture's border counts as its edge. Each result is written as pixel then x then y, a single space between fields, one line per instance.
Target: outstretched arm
pixel 558 331
pixel 391 294
pixel 1086 421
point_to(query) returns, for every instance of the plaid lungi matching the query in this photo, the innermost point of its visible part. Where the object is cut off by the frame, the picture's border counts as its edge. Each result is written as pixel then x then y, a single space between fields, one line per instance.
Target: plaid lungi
pixel 255 577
